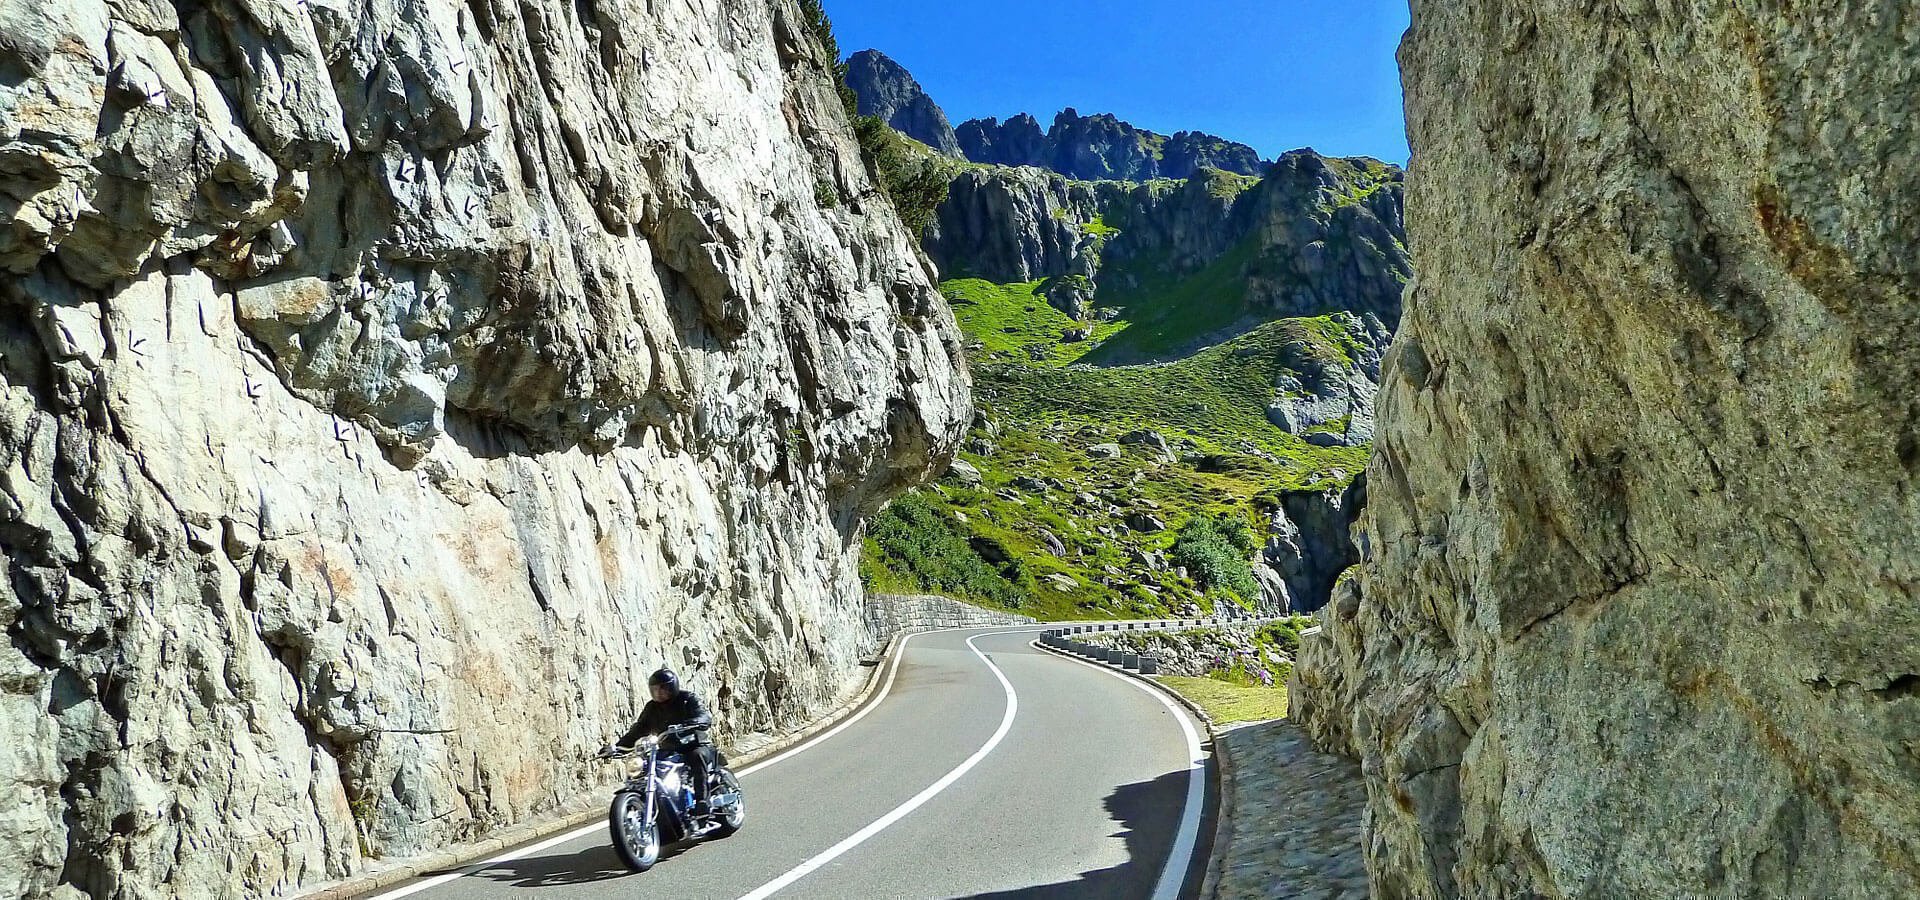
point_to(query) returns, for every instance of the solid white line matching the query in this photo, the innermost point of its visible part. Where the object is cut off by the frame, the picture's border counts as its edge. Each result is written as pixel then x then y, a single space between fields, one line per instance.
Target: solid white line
pixel 915 802
pixel 1180 859
pixel 893 670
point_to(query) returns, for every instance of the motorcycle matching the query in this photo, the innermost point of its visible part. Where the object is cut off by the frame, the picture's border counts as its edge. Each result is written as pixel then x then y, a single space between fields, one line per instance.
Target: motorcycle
pixel 654 807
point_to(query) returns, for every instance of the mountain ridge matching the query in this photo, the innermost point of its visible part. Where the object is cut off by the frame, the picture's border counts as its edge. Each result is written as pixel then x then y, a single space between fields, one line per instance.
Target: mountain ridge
pixel 1101 146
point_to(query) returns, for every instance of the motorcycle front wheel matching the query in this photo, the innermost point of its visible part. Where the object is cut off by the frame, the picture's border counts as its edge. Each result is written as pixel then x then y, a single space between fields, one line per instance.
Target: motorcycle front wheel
pixel 733 816
pixel 637 841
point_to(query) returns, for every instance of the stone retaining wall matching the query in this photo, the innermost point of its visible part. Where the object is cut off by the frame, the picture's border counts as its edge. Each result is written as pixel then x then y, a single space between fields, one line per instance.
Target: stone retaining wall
pixel 892 614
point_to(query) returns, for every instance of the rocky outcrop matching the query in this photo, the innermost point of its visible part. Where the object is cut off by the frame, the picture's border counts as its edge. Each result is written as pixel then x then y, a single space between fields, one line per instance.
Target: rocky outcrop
pixel 1325 393
pixel 1309 545
pixel 385 391
pixel 1101 147
pixel 1321 235
pixel 884 88
pixel 1011 225
pixel 1637 613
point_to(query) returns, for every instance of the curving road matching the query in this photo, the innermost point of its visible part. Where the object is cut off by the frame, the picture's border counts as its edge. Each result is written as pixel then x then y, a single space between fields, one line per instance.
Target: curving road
pixel 983 768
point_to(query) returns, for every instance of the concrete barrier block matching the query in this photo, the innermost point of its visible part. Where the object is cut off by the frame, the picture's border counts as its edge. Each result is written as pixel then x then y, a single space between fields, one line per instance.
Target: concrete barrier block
pixel 1149 665
pixel 1130 660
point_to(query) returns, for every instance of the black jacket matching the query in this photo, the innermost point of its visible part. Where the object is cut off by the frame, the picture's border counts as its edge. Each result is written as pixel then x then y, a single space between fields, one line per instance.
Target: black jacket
pixel 682 709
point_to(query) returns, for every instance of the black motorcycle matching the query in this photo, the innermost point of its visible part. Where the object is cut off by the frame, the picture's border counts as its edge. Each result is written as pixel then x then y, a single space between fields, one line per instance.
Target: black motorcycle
pixel 655 807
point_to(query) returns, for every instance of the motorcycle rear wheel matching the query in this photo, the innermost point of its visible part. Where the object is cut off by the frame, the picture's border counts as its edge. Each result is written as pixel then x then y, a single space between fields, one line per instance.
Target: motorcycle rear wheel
pixel 637 842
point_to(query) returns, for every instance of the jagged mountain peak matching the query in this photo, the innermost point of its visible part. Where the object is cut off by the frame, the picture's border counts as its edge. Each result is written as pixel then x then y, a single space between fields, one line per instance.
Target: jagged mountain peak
pixel 1102 146
pixel 885 88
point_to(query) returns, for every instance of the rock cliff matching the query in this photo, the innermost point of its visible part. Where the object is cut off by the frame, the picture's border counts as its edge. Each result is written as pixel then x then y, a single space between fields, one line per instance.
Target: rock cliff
pixel 1101 147
pixel 386 388
pixel 884 88
pixel 1315 235
pixel 1018 224
pixel 1637 612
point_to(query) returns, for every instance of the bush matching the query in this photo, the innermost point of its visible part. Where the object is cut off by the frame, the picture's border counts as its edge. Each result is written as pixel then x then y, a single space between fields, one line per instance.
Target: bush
pixel 814 14
pixel 1284 635
pixel 917 542
pixel 1215 549
pixel 915 182
pixel 914 179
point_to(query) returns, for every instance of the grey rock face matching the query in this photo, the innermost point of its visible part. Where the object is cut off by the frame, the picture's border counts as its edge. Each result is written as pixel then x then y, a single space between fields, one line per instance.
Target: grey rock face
pixel 384 392
pixel 1636 616
pixel 884 88
pixel 1102 147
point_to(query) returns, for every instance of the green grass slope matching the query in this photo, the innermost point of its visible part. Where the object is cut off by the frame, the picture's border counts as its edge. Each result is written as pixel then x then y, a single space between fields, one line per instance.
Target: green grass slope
pixel 1060 528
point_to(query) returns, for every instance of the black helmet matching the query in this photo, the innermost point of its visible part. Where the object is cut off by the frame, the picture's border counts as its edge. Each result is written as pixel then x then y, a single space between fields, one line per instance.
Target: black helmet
pixel 666 679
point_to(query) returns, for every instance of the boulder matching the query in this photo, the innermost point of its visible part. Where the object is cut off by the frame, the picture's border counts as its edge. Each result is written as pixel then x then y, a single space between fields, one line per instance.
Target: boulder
pixel 1146 523
pixel 964 473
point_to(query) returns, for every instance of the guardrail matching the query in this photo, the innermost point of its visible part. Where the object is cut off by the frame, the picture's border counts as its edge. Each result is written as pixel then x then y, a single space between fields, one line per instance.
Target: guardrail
pixel 1146 664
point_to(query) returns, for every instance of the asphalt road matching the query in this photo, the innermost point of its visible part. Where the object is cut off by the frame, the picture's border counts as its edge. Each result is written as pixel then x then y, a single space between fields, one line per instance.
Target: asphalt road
pixel 1008 773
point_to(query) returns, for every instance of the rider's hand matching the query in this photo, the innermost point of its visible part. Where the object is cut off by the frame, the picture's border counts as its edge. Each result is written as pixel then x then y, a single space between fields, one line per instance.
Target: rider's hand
pixel 608 750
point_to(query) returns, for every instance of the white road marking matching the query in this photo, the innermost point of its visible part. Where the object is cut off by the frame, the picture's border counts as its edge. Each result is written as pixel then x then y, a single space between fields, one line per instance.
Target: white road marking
pixel 915 802
pixel 1180 860
pixel 893 670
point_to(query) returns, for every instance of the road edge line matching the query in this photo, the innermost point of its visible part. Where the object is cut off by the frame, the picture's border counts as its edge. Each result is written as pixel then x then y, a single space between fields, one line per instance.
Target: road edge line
pixel 1223 766
pixel 578 813
pixel 906 808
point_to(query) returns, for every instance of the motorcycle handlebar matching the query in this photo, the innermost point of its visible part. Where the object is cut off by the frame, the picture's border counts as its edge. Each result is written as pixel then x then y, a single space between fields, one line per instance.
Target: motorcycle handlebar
pixel 612 751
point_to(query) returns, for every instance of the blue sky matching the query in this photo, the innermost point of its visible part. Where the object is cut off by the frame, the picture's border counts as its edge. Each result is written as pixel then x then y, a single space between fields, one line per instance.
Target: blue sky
pixel 1276 75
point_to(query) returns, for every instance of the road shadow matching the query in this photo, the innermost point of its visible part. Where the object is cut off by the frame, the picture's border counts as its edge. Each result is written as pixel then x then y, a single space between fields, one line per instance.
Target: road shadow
pixel 1149 814
pixel 596 863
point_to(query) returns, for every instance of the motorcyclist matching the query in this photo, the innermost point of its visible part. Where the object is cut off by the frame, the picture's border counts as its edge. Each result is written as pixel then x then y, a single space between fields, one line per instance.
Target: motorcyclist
pixel 672 705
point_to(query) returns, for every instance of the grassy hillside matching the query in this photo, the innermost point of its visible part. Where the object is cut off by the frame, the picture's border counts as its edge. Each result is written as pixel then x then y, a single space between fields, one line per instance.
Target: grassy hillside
pixel 1069 520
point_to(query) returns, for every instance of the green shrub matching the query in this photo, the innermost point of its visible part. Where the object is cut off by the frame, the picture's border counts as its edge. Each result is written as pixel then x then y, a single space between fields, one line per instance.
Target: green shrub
pixel 1284 635
pixel 814 15
pixel 1215 548
pixel 914 541
pixel 913 177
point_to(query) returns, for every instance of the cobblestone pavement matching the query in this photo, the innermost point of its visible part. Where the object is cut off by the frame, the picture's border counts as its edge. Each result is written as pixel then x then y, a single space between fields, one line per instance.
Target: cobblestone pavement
pixel 1295 829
